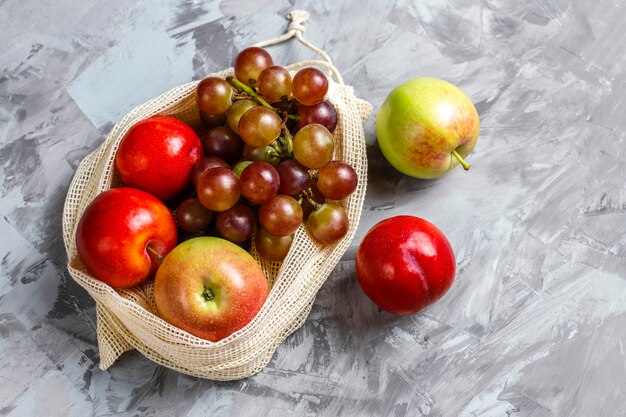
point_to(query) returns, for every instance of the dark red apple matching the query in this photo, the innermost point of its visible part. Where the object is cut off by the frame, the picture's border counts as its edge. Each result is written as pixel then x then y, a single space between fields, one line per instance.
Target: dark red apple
pixel 404 264
pixel 209 287
pixel 122 235
pixel 157 155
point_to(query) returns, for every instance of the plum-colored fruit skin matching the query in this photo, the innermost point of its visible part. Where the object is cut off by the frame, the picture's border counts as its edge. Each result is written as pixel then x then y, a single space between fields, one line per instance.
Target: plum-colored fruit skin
pixel 404 264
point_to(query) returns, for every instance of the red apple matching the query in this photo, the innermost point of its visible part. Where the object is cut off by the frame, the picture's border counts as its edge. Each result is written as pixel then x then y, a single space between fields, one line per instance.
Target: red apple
pixel 157 155
pixel 404 264
pixel 209 287
pixel 122 235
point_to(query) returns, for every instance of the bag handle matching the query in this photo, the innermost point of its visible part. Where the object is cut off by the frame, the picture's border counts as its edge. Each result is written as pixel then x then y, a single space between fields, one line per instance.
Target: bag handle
pixel 296 29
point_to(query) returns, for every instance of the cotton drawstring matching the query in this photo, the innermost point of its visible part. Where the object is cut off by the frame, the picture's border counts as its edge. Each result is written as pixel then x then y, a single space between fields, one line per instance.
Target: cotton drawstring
pixel 295 29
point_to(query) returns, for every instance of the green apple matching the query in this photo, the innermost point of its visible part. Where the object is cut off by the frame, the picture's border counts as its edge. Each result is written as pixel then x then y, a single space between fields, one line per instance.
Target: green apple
pixel 209 287
pixel 426 127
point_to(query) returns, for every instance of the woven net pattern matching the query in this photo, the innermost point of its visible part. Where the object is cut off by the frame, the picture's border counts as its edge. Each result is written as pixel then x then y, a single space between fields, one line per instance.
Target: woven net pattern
pixel 127 319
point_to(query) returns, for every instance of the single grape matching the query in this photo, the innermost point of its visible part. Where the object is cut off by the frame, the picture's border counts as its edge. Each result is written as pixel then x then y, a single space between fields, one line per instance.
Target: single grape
pixel 259 182
pixel 218 189
pixel 272 247
pixel 293 177
pixel 336 180
pixel 259 126
pixel 266 154
pixel 309 86
pixel 239 167
pixel 214 96
pixel 322 113
pixel 223 143
pixel 205 164
pixel 212 120
pixel 275 83
pixel 281 215
pixel 313 146
pixel 328 223
pixel 315 195
pixel 237 110
pixel 249 64
pixel 191 216
pixel 235 224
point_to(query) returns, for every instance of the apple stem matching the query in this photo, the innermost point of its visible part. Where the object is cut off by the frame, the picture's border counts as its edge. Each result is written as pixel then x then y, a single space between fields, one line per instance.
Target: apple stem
pixel 208 294
pixel 157 255
pixel 465 165
pixel 249 91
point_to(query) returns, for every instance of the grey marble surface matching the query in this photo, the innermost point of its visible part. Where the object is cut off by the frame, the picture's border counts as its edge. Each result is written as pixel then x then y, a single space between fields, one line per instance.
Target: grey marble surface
pixel 535 324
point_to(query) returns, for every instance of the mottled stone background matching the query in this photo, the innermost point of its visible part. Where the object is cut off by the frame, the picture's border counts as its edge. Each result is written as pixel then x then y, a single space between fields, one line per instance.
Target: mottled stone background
pixel 535 324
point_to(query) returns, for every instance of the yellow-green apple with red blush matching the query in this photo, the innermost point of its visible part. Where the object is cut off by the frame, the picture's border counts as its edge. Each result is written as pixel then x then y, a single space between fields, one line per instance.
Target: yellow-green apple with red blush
pixel 404 264
pixel 122 236
pixel 426 127
pixel 209 287
pixel 157 155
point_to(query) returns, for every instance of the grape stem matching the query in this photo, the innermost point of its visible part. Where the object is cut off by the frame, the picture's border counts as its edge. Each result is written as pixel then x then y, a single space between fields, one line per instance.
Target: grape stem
pixel 242 88
pixel 287 140
pixel 241 96
pixel 249 91
pixel 308 193
pixel 275 147
pixel 316 205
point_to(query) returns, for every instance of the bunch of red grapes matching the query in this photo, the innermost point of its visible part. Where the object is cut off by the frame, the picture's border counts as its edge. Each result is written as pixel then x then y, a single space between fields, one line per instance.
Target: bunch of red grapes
pixel 268 158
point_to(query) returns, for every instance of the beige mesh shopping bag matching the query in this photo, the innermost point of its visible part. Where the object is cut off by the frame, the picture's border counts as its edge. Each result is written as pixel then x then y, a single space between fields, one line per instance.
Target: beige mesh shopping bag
pixel 127 318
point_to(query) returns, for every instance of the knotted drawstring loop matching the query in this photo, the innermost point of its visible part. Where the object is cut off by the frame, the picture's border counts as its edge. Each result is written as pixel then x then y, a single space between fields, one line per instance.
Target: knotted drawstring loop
pixel 295 29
